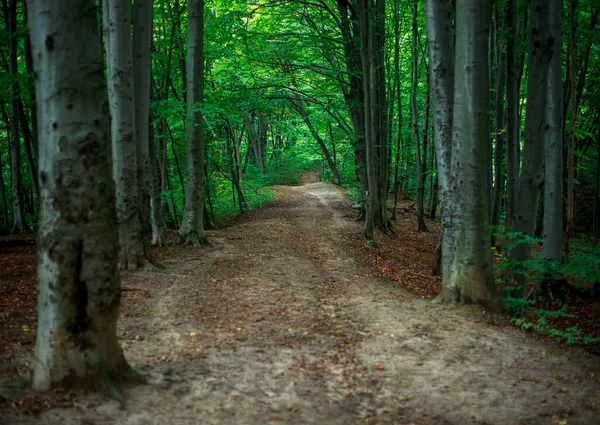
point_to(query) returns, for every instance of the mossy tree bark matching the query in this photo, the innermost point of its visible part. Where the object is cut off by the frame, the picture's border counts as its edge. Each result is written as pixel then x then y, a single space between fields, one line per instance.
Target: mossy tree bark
pixel 78 279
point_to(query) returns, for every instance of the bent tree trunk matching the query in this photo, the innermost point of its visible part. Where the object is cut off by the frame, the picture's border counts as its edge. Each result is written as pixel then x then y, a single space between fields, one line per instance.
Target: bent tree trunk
pixel 192 227
pixel 134 250
pixel 78 280
pixel 470 274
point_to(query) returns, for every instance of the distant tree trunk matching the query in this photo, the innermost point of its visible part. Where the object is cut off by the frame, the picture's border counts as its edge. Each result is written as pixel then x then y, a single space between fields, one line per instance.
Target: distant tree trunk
pixel 531 178
pixel 78 279
pixel 571 141
pixel 512 110
pixel 31 88
pixel 192 227
pixel 142 66
pixel 596 192
pixel 553 151
pixel 470 277
pixel 4 201
pixel 134 249
pixel 29 149
pixel 156 207
pixel 398 95
pixel 422 227
pixel 434 197
pixel 441 62
pixel 500 128
pixel 18 199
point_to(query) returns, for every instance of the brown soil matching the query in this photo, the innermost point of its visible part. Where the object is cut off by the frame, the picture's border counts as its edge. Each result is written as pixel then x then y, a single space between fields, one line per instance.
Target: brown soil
pixel 282 322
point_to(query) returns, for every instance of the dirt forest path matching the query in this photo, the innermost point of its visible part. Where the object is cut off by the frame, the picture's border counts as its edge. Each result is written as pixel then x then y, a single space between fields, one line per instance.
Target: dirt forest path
pixel 279 323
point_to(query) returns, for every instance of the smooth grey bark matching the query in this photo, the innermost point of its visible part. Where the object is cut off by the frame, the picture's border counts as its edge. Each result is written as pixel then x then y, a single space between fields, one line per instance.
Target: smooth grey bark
pixel 156 207
pixel 134 251
pixel 18 195
pixel 570 222
pixel 364 12
pixel 192 227
pixel 142 43
pixel 149 195
pixel 553 149
pixel 512 109
pixel 531 178
pixel 422 227
pixel 441 63
pixel 470 277
pixel 78 280
pixel 500 129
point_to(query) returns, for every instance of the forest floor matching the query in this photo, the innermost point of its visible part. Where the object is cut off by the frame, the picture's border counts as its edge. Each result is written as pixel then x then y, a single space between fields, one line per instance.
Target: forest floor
pixel 282 321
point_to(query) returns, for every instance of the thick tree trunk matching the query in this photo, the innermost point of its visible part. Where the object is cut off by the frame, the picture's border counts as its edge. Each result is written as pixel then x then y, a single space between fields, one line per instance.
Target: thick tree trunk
pixel 553 151
pixel 531 178
pixel 78 280
pixel 470 277
pixel 142 66
pixel 441 62
pixel 192 227
pixel 18 198
pixel 134 249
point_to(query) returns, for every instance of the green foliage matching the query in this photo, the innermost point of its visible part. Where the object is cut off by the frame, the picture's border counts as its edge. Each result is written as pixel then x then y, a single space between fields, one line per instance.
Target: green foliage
pixel 526 316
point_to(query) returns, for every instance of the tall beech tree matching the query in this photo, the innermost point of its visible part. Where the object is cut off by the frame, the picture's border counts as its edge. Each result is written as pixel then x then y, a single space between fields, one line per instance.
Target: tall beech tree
pixel 371 21
pixel 523 220
pixel 18 196
pixel 78 279
pixel 469 277
pixel 149 199
pixel 134 250
pixel 422 227
pixel 553 152
pixel 192 227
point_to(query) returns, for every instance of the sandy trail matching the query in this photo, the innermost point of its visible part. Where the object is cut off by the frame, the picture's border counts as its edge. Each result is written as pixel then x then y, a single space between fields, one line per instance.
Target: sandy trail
pixel 279 323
